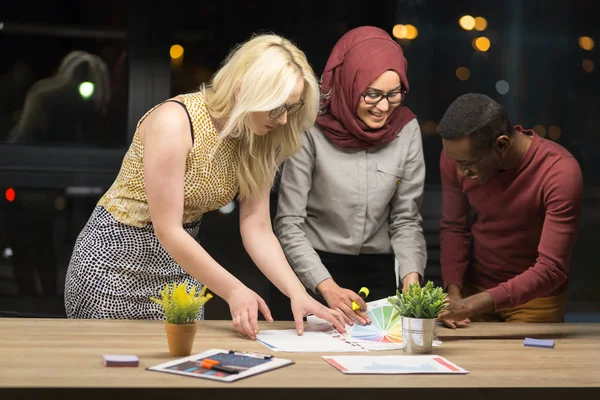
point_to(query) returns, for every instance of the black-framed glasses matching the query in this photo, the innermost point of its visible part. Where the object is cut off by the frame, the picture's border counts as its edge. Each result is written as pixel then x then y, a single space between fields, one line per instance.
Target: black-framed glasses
pixel 394 97
pixel 278 112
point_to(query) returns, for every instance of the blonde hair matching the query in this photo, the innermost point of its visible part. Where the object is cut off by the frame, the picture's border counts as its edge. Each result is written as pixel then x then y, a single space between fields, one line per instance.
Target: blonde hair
pixel 257 76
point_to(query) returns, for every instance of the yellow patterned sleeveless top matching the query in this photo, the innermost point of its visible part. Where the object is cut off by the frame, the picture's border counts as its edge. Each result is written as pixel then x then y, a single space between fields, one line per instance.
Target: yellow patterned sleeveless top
pixel 210 179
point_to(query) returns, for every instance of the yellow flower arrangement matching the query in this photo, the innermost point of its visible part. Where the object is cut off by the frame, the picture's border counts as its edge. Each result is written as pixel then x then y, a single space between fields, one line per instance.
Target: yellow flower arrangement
pixel 180 305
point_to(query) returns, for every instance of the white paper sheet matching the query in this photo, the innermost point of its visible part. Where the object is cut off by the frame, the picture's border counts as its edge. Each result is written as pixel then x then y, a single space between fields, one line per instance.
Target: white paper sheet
pixel 288 340
pixel 426 364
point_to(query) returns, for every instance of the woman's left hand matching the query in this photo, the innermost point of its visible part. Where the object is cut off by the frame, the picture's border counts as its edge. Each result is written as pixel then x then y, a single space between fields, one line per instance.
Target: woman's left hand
pixel 410 278
pixel 303 305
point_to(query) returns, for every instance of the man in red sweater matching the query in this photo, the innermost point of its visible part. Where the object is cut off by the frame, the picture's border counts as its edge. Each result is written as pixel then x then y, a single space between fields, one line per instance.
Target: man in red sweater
pixel 511 204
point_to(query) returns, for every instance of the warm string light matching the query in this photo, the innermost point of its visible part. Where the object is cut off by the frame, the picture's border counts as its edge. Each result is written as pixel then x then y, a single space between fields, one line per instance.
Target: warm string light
pixel 408 31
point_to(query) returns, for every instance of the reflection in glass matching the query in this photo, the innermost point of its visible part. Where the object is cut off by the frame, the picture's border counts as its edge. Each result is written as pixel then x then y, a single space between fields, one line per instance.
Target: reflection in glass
pixel 68 108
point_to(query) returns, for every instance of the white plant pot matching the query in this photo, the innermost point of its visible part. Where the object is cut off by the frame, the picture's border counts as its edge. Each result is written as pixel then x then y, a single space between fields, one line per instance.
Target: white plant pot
pixel 417 334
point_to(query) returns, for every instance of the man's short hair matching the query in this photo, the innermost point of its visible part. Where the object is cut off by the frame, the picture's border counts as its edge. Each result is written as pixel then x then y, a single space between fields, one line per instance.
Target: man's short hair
pixel 476 116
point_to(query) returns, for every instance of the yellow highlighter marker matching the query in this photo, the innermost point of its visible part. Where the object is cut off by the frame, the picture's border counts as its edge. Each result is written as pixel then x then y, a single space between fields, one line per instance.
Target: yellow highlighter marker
pixel 363 293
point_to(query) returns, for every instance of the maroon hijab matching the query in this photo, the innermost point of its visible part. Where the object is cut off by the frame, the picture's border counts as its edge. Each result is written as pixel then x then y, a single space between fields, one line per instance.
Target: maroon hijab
pixel 357 59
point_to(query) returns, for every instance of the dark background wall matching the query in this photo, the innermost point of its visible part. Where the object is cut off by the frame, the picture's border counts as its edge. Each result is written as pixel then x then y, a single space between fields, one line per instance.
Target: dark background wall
pixel 60 151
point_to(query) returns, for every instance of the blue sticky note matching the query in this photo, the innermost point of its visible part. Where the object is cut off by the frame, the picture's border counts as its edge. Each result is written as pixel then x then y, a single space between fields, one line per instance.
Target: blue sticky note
pixel 547 344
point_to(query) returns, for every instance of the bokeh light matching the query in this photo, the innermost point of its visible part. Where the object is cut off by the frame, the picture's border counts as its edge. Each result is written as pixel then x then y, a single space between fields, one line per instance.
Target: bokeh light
pixel 399 31
pixel 540 130
pixel 502 87
pixel 411 32
pixel 554 132
pixel 481 43
pixel 429 127
pixel 228 208
pixel 480 23
pixel 10 195
pixel 86 89
pixel 407 31
pixel 176 51
pixel 463 73
pixel 467 22
pixel 586 43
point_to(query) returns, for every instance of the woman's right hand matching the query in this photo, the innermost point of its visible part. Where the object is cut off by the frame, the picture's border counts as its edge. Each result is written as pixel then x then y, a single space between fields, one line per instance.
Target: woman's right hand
pixel 244 305
pixel 341 299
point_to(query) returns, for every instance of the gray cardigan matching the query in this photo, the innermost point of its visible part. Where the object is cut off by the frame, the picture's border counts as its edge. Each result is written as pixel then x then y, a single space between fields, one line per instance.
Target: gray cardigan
pixel 347 201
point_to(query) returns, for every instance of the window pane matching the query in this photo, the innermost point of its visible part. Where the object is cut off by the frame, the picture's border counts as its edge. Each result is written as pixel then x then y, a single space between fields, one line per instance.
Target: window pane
pixel 537 58
pixel 314 27
pixel 63 83
pixel 38 228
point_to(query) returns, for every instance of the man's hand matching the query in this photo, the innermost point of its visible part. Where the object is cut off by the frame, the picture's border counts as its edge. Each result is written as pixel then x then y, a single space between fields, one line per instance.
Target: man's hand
pixel 454 295
pixel 457 311
pixel 341 299
pixel 456 324
pixel 462 309
pixel 408 279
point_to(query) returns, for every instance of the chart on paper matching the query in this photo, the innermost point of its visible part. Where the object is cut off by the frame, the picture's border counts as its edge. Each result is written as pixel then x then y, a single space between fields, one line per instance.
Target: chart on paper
pixel 385 326
pixel 418 364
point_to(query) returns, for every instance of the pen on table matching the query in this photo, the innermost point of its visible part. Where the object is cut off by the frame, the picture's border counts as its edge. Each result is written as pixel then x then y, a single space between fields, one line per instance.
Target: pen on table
pixel 249 354
pixel 363 293
pixel 217 366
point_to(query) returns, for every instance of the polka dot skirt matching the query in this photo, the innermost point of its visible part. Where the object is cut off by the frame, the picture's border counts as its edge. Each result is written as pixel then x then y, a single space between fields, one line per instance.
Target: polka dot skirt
pixel 116 268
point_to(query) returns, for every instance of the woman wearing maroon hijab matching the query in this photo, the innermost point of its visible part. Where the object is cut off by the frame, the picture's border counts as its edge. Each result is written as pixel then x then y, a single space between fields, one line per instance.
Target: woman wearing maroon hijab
pixel 349 200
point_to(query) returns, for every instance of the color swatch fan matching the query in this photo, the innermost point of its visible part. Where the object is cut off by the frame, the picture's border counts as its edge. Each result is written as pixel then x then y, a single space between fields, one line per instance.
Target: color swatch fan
pixel 385 329
pixel 383 333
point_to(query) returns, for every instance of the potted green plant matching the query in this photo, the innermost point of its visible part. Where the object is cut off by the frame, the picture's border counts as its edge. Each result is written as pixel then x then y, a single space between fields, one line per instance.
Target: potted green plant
pixel 419 308
pixel 181 307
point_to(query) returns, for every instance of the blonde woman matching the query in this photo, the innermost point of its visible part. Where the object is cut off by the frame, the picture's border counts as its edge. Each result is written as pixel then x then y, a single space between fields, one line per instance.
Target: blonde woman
pixel 190 155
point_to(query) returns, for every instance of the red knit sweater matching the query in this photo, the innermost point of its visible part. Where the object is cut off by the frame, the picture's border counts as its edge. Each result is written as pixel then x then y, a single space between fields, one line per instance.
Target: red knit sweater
pixel 525 229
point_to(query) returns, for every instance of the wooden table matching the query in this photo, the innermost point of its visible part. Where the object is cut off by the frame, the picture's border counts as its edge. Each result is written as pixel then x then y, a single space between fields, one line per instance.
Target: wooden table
pixel 58 358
